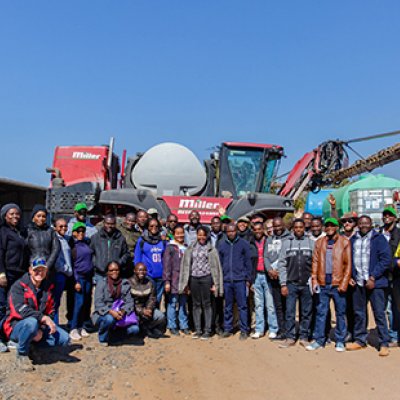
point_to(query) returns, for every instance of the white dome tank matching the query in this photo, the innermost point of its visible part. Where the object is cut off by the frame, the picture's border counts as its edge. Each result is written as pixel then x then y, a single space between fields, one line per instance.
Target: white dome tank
pixel 169 169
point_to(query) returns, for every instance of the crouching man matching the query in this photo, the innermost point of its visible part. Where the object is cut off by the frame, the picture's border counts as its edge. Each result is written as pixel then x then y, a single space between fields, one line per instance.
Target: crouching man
pixel 30 312
pixel 331 273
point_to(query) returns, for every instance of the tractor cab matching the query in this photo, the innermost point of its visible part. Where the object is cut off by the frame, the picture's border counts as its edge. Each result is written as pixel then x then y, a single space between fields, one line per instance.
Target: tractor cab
pixel 247 168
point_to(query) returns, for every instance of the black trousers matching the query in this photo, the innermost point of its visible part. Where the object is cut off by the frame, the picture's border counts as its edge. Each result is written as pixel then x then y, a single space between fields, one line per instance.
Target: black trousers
pixel 201 298
pixel 280 305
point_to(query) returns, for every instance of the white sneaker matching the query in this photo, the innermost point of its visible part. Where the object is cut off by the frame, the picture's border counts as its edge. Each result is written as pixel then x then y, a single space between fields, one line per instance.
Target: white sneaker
pixel 74 335
pixel 272 335
pixel 256 335
pixel 84 333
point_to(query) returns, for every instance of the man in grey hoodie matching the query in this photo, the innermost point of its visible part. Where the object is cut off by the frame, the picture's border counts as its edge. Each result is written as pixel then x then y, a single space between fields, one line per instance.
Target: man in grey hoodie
pixel 273 248
pixel 294 266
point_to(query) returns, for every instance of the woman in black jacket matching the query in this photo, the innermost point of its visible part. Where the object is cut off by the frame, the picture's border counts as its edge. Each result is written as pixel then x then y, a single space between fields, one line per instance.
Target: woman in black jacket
pixel 41 239
pixel 12 250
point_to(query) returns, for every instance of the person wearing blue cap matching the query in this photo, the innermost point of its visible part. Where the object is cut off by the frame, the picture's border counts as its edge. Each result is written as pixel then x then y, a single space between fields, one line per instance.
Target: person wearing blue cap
pixel 30 312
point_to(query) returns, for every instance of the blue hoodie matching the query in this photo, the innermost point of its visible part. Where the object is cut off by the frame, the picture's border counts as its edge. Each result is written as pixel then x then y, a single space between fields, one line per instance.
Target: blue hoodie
pixel 151 255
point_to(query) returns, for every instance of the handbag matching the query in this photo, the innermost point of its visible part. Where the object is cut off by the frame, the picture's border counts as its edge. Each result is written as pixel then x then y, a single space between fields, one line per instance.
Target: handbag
pixel 128 319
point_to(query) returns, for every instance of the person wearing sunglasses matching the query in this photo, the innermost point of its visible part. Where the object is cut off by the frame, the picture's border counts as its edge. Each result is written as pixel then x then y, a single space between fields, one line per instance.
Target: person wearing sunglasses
pixel 349 224
pixel 150 250
pixel 63 264
pixel 30 313
pixel 12 260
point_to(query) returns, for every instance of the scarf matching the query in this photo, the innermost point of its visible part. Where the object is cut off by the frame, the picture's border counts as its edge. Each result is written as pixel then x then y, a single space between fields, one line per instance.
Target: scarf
pixel 114 287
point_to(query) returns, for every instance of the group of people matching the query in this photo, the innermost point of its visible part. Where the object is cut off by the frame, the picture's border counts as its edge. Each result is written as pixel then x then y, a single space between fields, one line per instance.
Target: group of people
pixel 213 279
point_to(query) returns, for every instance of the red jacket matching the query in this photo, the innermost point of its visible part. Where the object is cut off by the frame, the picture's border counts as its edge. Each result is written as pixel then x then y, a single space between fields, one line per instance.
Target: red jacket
pixel 23 302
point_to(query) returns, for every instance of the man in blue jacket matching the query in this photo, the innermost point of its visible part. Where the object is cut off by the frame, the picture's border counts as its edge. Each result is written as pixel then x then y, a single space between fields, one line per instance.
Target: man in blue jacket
pixel 370 267
pixel 234 254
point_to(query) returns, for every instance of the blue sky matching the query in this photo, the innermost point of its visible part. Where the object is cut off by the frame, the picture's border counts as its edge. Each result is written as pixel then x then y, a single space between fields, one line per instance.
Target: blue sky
pixel 294 73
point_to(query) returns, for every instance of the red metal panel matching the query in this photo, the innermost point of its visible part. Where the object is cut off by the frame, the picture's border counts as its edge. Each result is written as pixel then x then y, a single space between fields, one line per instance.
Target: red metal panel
pixel 208 207
pixel 81 163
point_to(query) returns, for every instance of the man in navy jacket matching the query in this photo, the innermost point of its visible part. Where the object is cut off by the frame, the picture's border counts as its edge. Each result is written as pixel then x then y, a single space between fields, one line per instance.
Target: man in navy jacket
pixel 370 267
pixel 234 254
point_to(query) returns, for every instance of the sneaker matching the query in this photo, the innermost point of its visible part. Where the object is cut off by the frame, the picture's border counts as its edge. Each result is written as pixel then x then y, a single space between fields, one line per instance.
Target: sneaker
pixel 3 347
pixel 384 352
pixel 186 331
pixel 256 335
pixel 243 336
pixel 74 335
pixel 84 333
pixel 23 363
pixel 226 335
pixel 287 343
pixel 174 332
pixel 219 331
pixel 339 347
pixel 272 335
pixel 354 346
pixel 279 336
pixel 11 345
pixel 394 344
pixel 104 344
pixel 304 342
pixel 196 335
pixel 313 346
pixel 205 336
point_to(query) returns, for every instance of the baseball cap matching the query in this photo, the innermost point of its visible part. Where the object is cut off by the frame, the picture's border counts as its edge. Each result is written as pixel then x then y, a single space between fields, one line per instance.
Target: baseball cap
pixel 390 209
pixel 39 262
pixel 332 221
pixel 78 225
pixel 225 218
pixel 243 219
pixel 152 211
pixel 80 207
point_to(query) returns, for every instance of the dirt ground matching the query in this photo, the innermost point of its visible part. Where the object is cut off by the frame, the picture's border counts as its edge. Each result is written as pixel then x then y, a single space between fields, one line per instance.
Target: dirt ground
pixel 188 369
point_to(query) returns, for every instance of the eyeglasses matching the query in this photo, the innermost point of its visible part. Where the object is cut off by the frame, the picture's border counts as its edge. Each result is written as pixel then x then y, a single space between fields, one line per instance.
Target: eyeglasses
pixel 347 221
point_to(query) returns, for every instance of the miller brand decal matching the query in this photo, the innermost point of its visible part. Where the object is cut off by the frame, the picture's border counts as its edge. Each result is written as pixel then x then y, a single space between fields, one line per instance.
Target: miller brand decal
pixel 207 207
pixel 199 204
pixel 85 155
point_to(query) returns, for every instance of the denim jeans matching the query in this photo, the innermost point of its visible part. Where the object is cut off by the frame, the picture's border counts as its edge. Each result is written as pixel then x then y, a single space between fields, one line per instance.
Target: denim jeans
pixel 301 292
pixel 361 296
pixel 327 293
pixel 159 288
pixel 60 280
pixel 83 302
pixel 264 302
pixel 25 330
pixel 176 309
pixel 107 323
pixel 393 334
pixel 235 291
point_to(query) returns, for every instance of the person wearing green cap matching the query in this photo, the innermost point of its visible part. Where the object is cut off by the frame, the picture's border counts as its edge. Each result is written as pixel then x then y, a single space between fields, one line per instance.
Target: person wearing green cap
pixel 80 215
pixel 392 235
pixel 331 273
